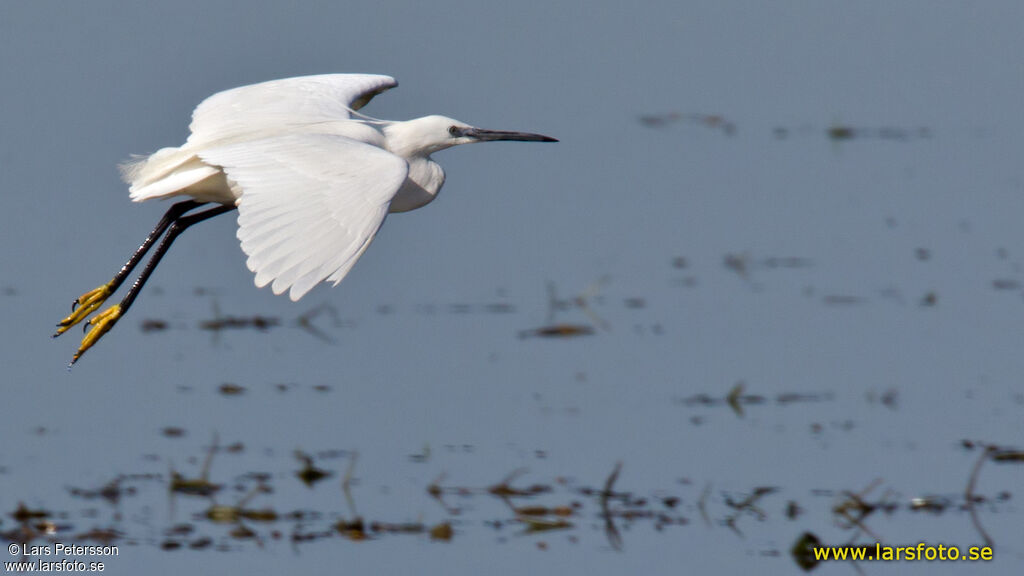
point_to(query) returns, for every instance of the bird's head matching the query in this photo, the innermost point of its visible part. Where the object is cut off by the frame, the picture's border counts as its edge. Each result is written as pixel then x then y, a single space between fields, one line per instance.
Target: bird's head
pixel 424 136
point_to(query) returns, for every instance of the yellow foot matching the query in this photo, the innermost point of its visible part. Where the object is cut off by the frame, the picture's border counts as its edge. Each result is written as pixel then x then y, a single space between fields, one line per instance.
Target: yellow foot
pixel 100 325
pixel 83 306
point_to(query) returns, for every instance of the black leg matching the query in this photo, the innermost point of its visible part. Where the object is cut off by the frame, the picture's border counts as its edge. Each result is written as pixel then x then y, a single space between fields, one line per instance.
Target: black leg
pixel 174 213
pixel 90 301
pixel 176 228
pixel 104 321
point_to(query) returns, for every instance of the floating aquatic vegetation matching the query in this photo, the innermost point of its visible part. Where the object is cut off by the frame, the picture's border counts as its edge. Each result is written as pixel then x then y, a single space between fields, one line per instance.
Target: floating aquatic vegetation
pixel 422 457
pixel 748 505
pixel 261 323
pixel 715 122
pixel 840 132
pixel 224 514
pixel 153 325
pixel 230 389
pixel 112 491
pixel 547 511
pixel 442 532
pixel 558 331
pixel 1006 284
pixel 309 474
pixel 24 514
pixel 583 302
pixel 803 549
pixel 504 489
pixel 173 432
pixel 200 486
pixel 929 299
pixel 737 398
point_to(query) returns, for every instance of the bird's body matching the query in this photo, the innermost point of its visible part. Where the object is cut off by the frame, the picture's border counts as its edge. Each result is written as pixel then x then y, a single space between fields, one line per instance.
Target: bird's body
pixel 312 179
pixel 321 100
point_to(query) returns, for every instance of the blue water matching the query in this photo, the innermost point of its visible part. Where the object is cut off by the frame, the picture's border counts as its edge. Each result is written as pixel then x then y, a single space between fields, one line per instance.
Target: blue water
pixel 827 207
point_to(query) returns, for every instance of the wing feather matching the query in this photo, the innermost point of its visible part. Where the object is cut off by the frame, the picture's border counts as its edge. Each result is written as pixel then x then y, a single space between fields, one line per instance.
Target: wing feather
pixel 302 104
pixel 280 105
pixel 310 204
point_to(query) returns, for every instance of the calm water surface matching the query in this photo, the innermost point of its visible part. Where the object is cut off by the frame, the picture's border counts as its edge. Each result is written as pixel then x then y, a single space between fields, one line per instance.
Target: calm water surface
pixel 792 233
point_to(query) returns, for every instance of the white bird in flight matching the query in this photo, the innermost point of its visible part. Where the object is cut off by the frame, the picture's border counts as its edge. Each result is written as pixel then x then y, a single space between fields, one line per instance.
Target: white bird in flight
pixel 312 181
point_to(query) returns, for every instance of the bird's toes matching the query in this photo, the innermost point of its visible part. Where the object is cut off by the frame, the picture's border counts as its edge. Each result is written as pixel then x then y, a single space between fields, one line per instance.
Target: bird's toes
pixel 96 328
pixel 83 306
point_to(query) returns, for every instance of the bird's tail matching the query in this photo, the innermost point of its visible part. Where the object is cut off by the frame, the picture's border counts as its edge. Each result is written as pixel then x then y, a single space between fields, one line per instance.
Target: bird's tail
pixel 166 172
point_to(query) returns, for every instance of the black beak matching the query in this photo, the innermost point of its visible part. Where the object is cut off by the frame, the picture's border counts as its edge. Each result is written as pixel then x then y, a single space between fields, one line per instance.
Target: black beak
pixel 494 135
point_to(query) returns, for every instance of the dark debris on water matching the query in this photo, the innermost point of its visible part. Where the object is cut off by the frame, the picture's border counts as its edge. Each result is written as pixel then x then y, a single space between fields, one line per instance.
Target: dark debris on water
pixel 548 511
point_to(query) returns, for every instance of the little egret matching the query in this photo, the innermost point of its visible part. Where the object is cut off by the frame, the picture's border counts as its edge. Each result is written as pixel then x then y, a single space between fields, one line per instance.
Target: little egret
pixel 312 181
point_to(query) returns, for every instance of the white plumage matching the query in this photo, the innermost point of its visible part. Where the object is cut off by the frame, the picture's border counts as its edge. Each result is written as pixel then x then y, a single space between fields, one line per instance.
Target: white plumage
pixel 303 216
pixel 312 182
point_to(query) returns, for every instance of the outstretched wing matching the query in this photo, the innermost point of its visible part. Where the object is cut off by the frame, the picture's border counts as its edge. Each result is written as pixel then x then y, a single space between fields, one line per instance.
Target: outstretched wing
pixel 310 204
pixel 282 105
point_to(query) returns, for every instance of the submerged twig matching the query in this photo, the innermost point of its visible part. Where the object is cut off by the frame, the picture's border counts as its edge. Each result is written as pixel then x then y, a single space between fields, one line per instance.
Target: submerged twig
pixel 969 495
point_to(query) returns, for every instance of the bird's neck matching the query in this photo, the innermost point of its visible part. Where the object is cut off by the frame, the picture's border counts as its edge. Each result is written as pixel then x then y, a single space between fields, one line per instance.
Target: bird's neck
pixel 421 185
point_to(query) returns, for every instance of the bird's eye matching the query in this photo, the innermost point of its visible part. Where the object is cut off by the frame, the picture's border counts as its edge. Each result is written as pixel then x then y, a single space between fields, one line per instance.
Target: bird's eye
pixel 455 131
